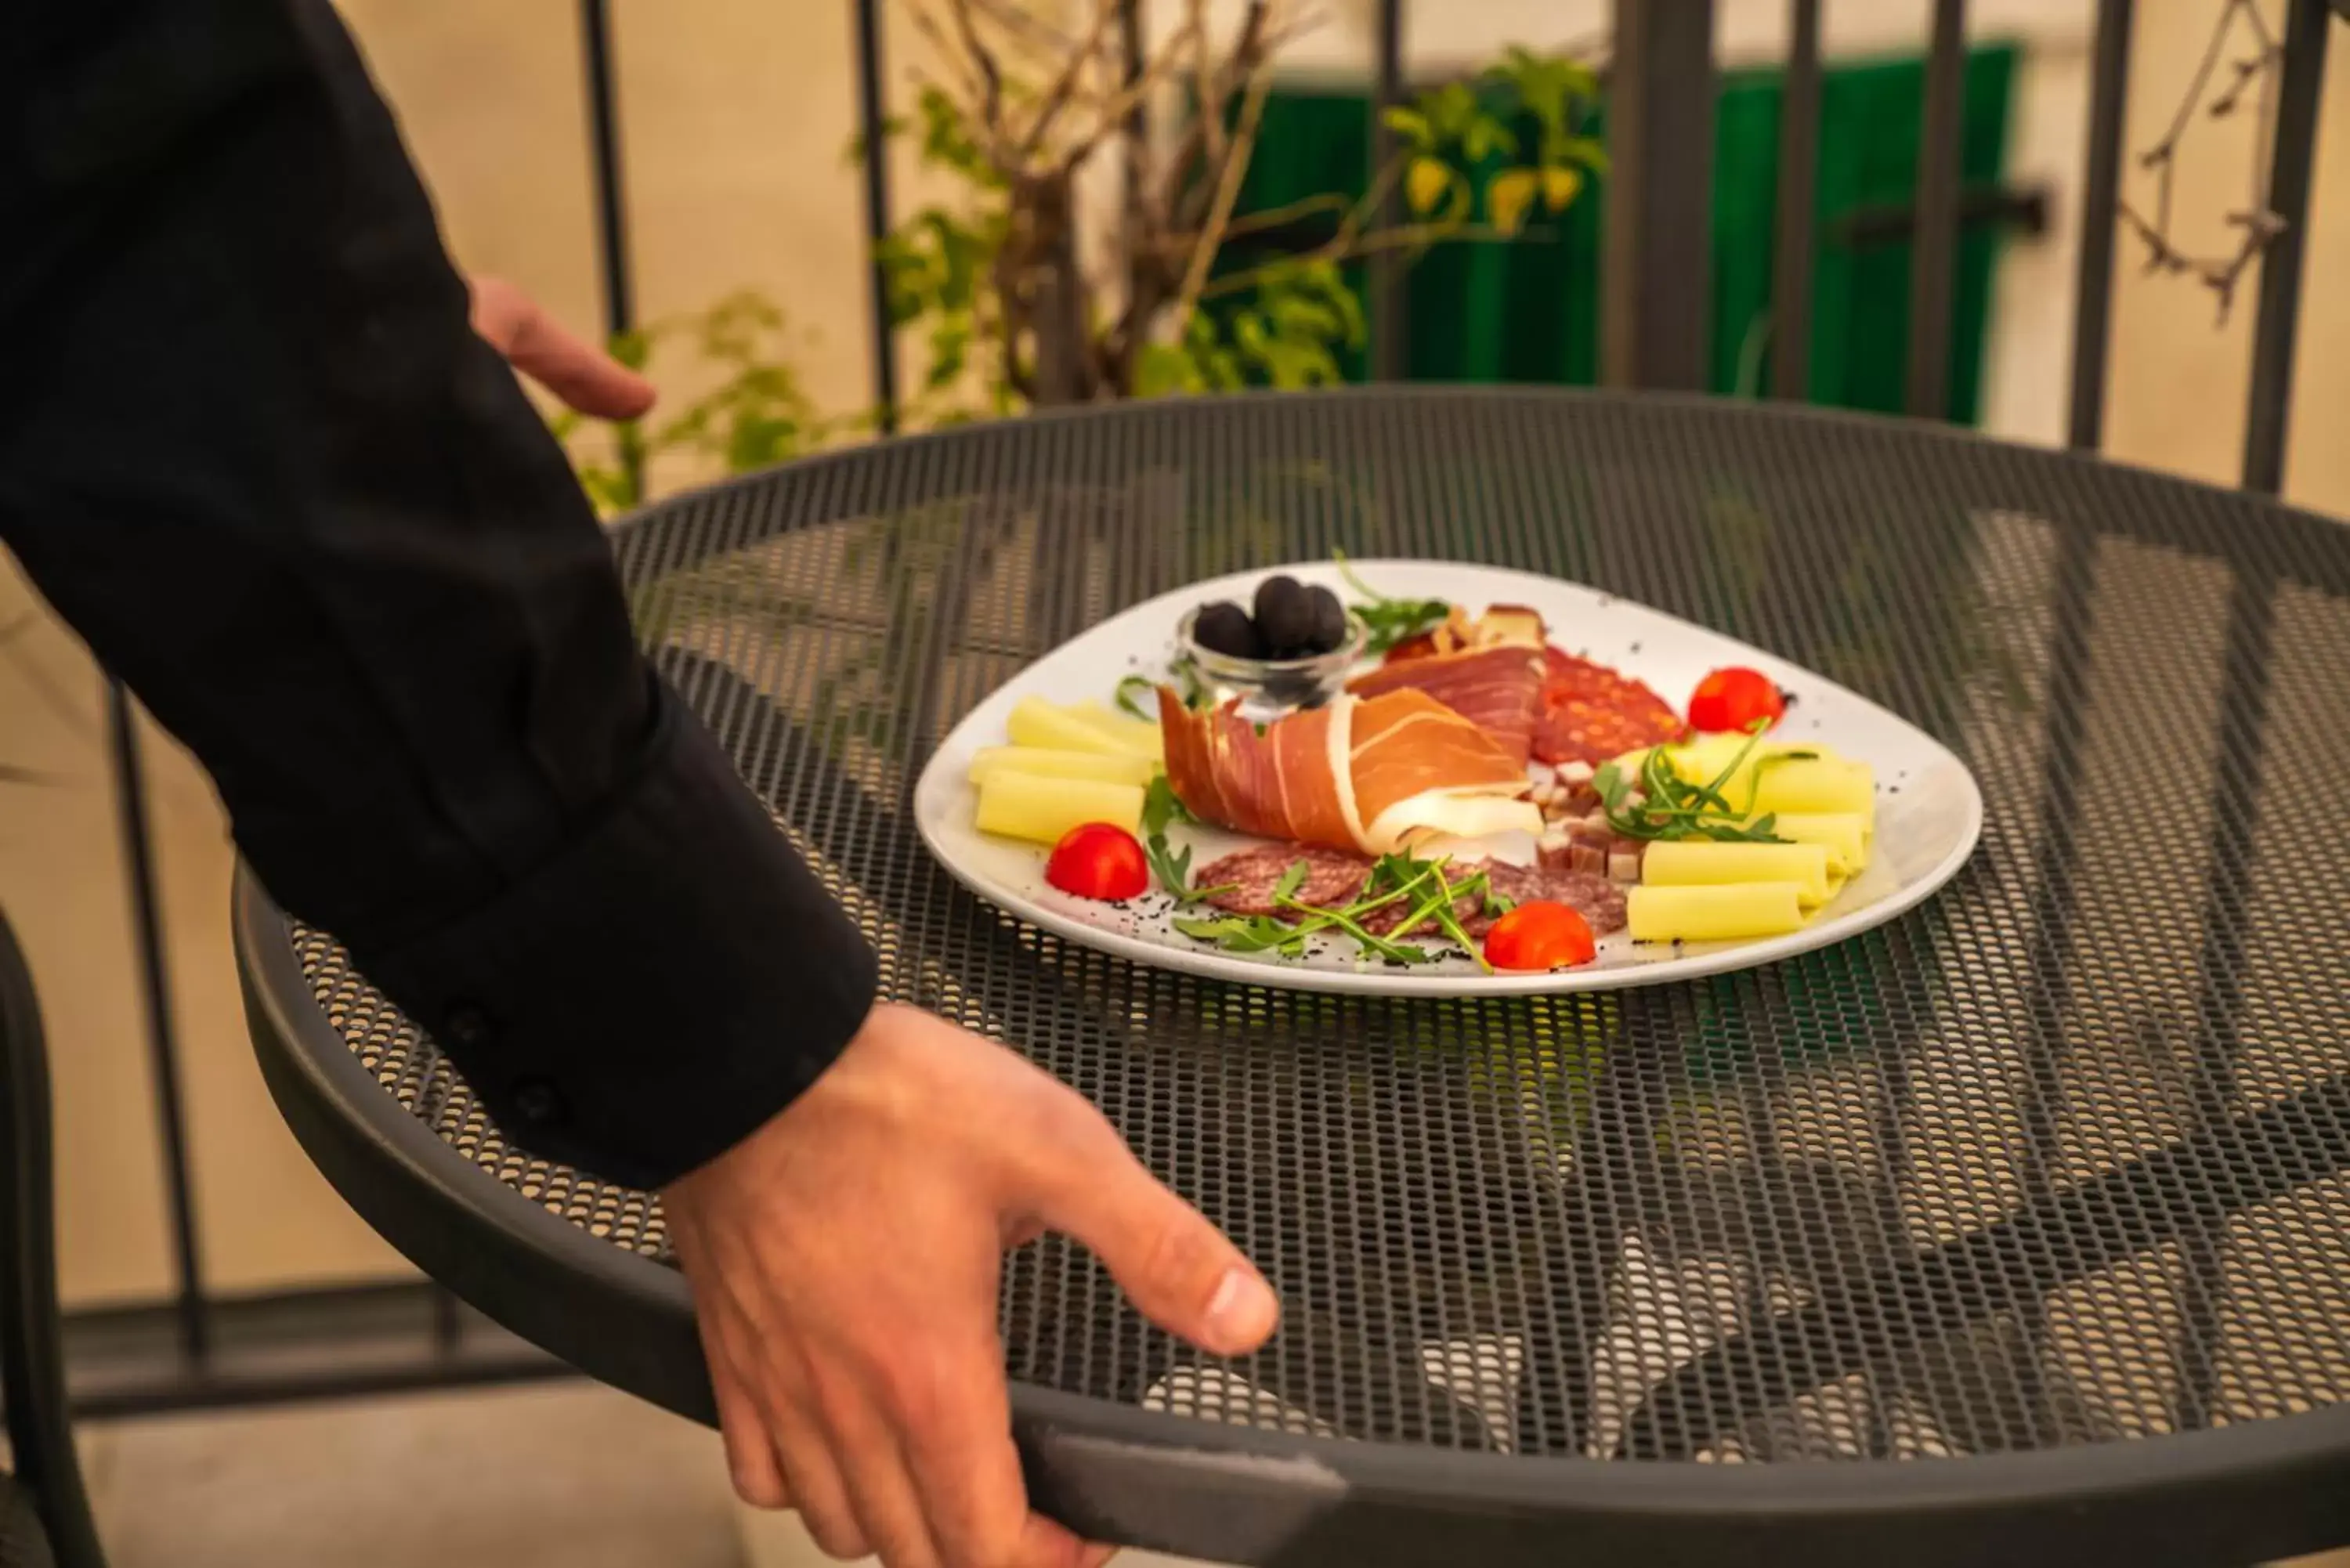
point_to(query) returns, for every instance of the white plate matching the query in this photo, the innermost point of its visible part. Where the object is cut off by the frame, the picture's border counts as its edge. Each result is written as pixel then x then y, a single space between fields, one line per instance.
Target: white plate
pixel 1928 809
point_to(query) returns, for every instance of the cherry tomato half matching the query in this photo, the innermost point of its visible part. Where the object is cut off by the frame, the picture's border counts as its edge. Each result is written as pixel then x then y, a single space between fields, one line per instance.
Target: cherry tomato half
pixel 1539 936
pixel 1098 860
pixel 1736 699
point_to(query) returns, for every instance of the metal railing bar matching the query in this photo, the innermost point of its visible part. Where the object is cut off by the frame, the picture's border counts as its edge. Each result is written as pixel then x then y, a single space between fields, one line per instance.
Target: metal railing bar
pixel 1390 312
pixel 604 147
pixel 2294 153
pixel 1657 260
pixel 2100 207
pixel 162 1042
pixel 1933 259
pixel 882 345
pixel 1799 160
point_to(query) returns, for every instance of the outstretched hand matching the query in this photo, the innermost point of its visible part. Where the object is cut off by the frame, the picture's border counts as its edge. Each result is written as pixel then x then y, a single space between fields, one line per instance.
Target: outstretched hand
pixel 583 376
pixel 845 1261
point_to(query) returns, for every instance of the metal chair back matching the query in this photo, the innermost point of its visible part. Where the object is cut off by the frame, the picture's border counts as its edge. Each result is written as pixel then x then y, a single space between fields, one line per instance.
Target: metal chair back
pixel 32 1358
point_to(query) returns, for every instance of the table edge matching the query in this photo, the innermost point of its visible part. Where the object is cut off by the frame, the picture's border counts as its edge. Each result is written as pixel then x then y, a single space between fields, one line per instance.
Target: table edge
pixel 1152 1478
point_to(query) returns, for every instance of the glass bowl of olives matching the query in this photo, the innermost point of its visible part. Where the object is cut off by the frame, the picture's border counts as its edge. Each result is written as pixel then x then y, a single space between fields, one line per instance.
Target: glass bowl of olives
pixel 1293 648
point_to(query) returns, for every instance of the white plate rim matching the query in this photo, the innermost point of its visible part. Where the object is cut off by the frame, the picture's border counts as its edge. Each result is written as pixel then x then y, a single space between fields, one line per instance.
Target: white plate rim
pixel 1204 962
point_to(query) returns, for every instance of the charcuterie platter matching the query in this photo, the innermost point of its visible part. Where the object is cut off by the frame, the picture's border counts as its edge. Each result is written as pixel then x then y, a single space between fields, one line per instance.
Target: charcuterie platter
pixel 1422 777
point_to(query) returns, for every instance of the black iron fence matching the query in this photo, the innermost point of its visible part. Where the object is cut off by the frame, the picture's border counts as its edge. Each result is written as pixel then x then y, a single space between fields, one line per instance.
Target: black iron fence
pixel 199 1350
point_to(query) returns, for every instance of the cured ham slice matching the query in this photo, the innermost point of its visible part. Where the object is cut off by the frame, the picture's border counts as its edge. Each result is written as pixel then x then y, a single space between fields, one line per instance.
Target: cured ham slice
pixel 1277 784
pixel 1369 774
pixel 1499 690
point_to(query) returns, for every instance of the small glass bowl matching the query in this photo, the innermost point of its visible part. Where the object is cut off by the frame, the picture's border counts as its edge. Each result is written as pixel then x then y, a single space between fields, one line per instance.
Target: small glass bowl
pixel 1268 688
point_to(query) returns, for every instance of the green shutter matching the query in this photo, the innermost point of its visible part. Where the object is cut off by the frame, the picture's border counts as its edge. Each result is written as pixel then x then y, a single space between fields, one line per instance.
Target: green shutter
pixel 1528 311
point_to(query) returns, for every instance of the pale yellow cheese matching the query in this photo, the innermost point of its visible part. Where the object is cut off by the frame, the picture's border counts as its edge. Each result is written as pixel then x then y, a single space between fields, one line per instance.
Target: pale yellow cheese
pixel 1810 784
pixel 1845 835
pixel 1043 809
pixel 1734 912
pixel 1036 722
pixel 1695 862
pixel 1121 768
pixel 1140 736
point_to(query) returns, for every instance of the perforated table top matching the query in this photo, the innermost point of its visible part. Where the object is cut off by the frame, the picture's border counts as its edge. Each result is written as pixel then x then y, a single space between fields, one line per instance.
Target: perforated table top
pixel 2020 1224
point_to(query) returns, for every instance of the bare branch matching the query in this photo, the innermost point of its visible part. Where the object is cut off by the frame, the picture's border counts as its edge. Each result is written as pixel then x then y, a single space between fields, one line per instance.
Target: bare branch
pixel 991 76
pixel 1228 187
pixel 2257 227
pixel 1018 22
pixel 1056 97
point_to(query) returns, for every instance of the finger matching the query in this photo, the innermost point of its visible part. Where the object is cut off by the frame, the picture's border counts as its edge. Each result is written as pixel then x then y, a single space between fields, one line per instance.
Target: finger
pixel 954 1417
pixel 1045 1544
pixel 583 376
pixel 796 1428
pixel 873 1468
pixel 751 1458
pixel 1180 1270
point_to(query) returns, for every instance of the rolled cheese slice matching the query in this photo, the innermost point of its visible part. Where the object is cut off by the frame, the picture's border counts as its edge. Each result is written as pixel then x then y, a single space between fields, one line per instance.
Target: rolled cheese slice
pixel 1735 912
pixel 1693 863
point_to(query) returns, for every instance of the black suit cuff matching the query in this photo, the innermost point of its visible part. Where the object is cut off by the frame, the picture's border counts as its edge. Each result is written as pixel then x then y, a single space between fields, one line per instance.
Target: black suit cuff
pixel 667 983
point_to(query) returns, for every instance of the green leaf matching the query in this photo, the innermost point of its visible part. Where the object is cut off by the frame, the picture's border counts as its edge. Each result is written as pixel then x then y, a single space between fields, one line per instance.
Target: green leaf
pixel 1162 369
pixel 632 348
pixel 1488 138
pixel 1409 123
pixel 1559 187
pixel 891 125
pixel 1130 701
pixel 1426 184
pixel 1449 108
pixel 1508 197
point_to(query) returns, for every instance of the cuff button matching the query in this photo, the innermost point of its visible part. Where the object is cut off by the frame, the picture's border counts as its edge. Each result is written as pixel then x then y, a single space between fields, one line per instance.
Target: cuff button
pixel 467 1027
pixel 538 1102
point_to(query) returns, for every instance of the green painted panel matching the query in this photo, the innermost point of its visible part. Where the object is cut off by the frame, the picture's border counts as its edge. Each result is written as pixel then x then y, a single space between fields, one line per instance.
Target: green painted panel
pixel 1529 311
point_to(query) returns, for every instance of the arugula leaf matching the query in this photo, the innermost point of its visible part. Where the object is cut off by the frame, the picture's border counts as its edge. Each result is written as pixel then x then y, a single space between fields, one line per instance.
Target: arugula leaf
pixel 1291 880
pixel 1160 807
pixel 1127 703
pixel 1390 621
pixel 1246 934
pixel 1673 807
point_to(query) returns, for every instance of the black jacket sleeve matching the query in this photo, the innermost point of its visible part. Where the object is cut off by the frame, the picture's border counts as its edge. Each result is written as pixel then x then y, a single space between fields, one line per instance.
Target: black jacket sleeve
pixel 250 449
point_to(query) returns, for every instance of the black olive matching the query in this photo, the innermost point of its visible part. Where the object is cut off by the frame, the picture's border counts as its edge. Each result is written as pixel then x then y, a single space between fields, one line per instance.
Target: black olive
pixel 1285 617
pixel 1329 621
pixel 1226 629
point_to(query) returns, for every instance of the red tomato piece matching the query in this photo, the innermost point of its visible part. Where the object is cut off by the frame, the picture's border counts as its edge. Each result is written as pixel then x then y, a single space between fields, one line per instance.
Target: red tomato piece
pixel 1736 699
pixel 1541 935
pixel 1098 860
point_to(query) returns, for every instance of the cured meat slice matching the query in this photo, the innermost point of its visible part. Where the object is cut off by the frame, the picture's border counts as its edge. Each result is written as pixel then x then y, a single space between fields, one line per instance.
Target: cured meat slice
pixel 1499 690
pixel 1277 783
pixel 1590 713
pixel 1370 775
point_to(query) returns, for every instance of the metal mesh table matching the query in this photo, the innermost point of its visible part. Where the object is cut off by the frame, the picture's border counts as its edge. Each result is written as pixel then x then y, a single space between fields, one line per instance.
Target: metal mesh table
pixel 2019 1226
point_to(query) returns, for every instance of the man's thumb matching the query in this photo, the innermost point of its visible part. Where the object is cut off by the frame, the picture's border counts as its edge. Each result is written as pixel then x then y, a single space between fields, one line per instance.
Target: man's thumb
pixel 1180 1270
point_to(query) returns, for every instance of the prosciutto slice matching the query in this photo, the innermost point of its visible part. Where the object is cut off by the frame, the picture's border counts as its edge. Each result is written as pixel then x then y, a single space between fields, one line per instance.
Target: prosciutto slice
pixel 1499 690
pixel 1365 774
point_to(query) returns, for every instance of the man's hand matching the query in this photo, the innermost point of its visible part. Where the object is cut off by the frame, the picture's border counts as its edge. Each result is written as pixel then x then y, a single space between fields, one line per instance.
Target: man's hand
pixel 845 1263
pixel 585 377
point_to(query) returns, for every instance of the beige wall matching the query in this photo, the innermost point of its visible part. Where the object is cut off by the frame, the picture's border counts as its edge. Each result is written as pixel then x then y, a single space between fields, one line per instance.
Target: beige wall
pixel 2180 381
pixel 735 114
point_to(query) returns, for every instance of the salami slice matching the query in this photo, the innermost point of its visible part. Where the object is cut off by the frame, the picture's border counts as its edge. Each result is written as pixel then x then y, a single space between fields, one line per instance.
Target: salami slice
pixel 1591 713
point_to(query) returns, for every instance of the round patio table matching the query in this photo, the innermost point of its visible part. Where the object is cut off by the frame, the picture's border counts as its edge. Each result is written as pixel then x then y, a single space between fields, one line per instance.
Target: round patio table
pixel 2016 1230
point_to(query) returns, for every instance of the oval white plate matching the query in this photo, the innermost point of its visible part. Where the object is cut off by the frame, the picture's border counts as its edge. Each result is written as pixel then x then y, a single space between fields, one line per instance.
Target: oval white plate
pixel 1928 809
